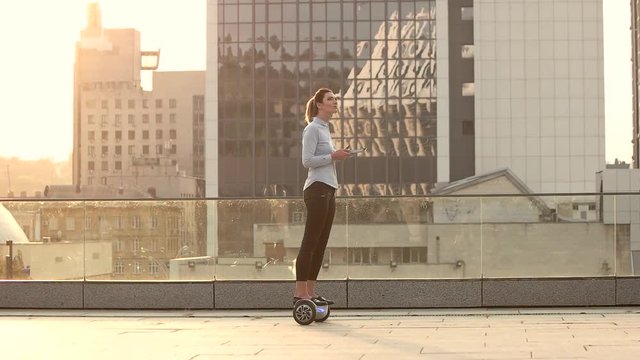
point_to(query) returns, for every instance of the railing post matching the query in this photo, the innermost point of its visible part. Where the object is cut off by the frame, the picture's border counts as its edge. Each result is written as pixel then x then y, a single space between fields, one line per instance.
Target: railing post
pixel 9 260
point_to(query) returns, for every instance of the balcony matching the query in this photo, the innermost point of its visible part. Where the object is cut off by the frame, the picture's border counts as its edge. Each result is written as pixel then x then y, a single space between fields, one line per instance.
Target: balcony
pixel 438 251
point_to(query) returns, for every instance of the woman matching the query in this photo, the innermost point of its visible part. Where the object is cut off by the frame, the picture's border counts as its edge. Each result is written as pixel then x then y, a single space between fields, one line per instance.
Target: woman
pixel 319 156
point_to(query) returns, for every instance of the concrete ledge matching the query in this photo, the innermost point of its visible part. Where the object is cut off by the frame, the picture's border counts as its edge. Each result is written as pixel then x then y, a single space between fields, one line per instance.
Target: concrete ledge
pixel 628 291
pixel 549 292
pixel 347 293
pixel 414 293
pixel 272 294
pixel 41 295
pixel 148 295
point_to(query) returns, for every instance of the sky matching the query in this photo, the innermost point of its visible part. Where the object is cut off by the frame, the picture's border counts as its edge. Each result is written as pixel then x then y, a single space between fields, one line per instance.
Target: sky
pixel 38 37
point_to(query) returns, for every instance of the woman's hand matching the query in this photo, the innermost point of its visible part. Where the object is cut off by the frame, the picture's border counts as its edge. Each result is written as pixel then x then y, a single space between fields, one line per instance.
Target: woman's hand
pixel 340 154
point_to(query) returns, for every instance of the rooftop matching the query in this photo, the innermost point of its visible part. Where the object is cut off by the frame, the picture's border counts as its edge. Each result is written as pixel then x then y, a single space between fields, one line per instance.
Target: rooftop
pixel 510 333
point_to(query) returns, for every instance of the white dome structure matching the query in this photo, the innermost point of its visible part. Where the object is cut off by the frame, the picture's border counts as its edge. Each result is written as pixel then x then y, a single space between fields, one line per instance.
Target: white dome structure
pixel 9 228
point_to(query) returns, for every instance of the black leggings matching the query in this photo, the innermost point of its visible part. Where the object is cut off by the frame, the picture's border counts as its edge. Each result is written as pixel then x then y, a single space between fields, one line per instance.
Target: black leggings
pixel 320 200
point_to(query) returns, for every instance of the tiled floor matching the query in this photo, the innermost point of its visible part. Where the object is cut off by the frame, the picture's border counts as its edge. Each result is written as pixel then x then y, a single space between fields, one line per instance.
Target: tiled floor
pixel 564 333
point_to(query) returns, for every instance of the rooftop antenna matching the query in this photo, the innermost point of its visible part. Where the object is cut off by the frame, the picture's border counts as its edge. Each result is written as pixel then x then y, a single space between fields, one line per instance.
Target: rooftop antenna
pixel 9 192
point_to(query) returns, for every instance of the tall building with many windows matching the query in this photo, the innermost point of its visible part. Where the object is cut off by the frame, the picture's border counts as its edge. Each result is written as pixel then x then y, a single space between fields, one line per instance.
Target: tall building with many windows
pixel 125 136
pixel 539 91
pixel 436 90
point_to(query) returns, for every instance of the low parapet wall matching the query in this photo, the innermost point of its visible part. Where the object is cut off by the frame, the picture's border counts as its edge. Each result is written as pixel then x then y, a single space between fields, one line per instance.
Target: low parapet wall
pixel 353 294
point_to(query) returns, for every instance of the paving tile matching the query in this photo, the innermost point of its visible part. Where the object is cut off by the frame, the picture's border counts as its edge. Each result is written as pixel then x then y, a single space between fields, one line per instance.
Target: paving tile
pixel 613 333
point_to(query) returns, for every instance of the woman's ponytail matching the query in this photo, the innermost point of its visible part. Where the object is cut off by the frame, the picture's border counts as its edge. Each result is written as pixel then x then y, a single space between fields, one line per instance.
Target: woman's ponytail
pixel 311 110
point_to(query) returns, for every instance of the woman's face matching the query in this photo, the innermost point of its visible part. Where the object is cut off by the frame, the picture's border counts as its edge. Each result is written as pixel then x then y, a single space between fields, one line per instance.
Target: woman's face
pixel 329 104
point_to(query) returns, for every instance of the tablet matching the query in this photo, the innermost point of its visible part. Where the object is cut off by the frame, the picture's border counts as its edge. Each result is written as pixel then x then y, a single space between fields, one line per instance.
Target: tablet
pixel 356 151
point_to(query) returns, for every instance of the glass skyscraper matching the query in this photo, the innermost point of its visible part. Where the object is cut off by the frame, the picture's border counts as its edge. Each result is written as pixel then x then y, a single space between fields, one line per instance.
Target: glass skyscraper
pixel 378 56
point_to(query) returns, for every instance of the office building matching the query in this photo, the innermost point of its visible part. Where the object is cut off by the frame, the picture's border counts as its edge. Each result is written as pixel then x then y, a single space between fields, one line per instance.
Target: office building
pixel 436 90
pixel 126 136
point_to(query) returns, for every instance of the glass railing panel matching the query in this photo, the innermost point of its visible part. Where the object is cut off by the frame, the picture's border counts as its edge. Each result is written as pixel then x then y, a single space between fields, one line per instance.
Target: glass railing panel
pixel 42 240
pixel 413 238
pixel 372 238
pixel 159 240
pixel 533 236
pixel 259 239
pixel 622 212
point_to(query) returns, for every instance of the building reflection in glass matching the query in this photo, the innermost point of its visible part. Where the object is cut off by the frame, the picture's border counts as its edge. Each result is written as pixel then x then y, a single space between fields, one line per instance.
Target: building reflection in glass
pixel 378 56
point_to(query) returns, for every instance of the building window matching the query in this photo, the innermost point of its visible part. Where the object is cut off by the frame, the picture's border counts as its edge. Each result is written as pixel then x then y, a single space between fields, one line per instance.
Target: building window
pixel 159 149
pixel 103 121
pixel 468 89
pixel 70 224
pixel 131 149
pixel 118 150
pixel 88 224
pixel 466 13
pixel 119 223
pixel 103 180
pixel 105 150
pixel 417 255
pixel 105 135
pixel 145 103
pixel 53 223
pixel 119 246
pixel 153 268
pixel 132 135
pixel 90 180
pixel 135 221
pixel 91 119
pixel 136 268
pixel 91 150
pixel 131 119
pixel 118 135
pixel 137 245
pixel 118 104
pixel 118 268
pixel 105 165
pixel 91 166
pixel 131 104
pixel 173 134
pixel 467 51
pixel 172 118
pixel 359 256
pixel 117 120
pixel 145 149
pixel 158 103
pixel 172 222
pixel 172 244
pixel 104 104
pixel 103 223
pixel 145 134
pixel 153 221
pixel 158 134
pixel 158 118
pixel 172 103
pixel 90 104
pixel 145 118
pixel 91 135
pixel 118 165
pixel 174 149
